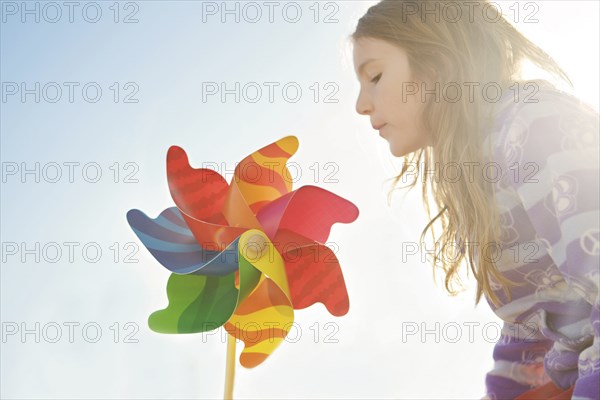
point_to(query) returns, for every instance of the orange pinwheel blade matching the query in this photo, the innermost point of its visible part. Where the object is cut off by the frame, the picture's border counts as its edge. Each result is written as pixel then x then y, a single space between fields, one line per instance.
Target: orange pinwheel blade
pixel 259 179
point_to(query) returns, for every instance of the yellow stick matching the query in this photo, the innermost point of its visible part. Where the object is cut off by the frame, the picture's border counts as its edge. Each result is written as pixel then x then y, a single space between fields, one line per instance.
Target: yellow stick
pixel 229 367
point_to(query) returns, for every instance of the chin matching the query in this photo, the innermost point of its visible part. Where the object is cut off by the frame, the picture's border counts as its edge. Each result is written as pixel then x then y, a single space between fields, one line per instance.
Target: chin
pixel 403 150
pixel 399 151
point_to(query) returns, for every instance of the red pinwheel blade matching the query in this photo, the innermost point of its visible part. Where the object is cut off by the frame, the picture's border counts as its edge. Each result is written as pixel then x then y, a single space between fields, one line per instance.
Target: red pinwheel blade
pixel 198 193
pixel 314 273
pixel 309 211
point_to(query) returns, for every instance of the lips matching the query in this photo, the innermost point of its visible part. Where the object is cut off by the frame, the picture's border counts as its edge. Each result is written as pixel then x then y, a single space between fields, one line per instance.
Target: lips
pixel 378 127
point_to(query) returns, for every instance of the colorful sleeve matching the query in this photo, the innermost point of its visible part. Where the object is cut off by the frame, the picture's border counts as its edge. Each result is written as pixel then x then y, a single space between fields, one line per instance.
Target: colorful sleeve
pixel 518 362
pixel 557 139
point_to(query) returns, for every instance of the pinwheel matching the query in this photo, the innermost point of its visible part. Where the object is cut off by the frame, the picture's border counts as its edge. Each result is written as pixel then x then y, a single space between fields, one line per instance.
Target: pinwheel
pixel 244 255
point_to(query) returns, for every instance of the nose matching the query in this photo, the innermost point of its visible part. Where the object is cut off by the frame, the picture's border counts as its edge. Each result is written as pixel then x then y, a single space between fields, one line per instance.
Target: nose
pixel 363 104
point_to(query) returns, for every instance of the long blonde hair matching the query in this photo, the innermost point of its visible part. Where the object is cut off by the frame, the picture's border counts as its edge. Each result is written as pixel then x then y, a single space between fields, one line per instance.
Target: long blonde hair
pixel 466 47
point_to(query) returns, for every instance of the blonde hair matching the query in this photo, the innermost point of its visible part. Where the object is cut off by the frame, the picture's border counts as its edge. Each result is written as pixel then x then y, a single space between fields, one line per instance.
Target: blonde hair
pixel 458 46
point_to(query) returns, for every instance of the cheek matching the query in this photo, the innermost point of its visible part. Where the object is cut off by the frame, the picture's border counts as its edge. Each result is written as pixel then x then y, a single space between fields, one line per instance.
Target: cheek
pixel 391 104
pixel 404 111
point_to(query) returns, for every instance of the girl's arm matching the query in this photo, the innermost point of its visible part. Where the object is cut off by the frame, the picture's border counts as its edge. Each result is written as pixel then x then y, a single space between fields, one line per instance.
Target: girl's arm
pixel 518 362
pixel 559 135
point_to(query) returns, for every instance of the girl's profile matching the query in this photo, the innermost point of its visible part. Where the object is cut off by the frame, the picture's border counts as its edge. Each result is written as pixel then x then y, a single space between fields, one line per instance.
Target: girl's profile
pixel 450 90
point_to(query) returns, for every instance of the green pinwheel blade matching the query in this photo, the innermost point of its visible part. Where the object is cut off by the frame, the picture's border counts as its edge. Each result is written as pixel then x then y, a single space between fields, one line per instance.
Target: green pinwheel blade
pixel 249 277
pixel 201 303
pixel 197 303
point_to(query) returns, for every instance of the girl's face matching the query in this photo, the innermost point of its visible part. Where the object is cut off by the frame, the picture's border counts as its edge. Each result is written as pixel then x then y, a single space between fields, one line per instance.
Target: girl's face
pixel 384 74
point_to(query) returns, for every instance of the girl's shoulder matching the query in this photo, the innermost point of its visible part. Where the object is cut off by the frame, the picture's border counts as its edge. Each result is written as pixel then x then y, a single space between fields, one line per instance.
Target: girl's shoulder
pixel 536 118
pixel 538 98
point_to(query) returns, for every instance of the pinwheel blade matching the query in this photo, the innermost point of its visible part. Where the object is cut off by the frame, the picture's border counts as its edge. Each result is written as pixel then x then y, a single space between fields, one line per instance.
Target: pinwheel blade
pixel 200 303
pixel 199 193
pixel 313 272
pixel 196 304
pixel 259 179
pixel 309 211
pixel 171 242
pixel 264 318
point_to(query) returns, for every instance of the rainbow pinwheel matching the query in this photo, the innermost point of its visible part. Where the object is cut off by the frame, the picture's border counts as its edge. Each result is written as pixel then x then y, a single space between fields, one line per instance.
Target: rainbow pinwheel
pixel 244 255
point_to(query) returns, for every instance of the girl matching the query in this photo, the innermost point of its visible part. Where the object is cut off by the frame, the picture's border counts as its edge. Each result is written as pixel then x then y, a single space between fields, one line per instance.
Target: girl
pixel 440 81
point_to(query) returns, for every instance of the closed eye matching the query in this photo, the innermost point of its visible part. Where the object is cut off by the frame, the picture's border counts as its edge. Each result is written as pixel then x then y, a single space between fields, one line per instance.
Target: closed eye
pixel 376 79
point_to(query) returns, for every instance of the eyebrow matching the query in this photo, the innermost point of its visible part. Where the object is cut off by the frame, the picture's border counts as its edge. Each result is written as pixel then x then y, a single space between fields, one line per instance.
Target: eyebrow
pixel 363 65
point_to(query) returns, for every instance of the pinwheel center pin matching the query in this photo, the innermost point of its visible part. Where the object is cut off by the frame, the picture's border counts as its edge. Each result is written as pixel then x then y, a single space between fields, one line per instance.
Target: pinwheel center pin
pixel 255 247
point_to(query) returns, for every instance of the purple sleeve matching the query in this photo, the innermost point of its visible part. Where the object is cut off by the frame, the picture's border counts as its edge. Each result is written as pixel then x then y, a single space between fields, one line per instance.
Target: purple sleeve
pixel 557 139
pixel 518 362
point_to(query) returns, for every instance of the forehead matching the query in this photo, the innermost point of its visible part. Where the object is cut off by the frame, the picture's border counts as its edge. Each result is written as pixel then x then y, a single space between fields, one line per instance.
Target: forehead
pixel 371 48
pixel 368 50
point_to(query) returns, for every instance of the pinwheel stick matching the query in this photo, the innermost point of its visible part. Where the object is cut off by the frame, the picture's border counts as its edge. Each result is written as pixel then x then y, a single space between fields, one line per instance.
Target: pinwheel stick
pixel 229 368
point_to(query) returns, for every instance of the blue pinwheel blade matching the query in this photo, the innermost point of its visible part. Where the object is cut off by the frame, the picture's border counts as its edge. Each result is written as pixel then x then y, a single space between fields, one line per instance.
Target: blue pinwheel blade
pixel 170 241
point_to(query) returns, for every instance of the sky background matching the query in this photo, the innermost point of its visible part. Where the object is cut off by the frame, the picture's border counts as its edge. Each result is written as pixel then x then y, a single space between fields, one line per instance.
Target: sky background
pixel 159 64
